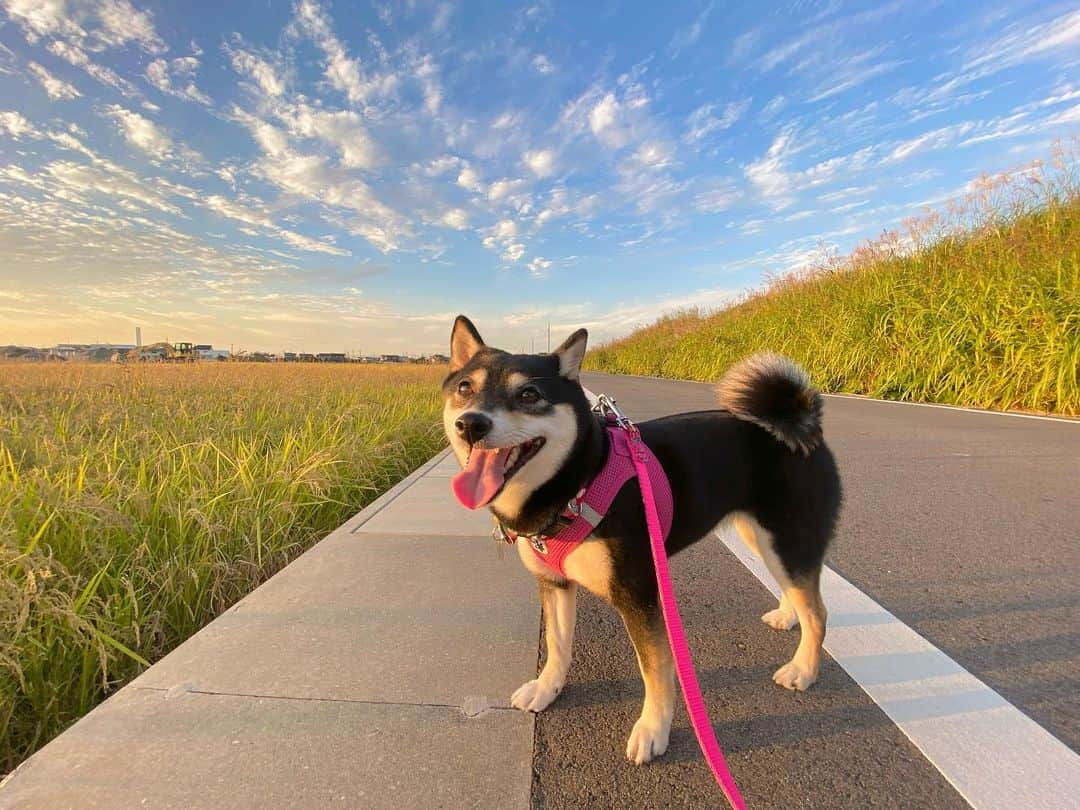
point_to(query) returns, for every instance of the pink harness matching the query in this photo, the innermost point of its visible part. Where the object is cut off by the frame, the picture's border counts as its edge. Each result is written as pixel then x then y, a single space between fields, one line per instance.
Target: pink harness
pixel 591 504
pixel 629 457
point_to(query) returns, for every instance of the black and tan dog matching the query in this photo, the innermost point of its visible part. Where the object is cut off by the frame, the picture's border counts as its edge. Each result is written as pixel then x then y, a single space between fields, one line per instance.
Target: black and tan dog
pixel 522 428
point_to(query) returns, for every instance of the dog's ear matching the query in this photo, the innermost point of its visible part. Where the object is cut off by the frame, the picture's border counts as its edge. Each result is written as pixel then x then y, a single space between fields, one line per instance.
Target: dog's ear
pixel 571 353
pixel 465 341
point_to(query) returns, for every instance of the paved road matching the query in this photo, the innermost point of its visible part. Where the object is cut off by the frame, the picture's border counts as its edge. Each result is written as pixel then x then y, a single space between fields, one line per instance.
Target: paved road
pixel 375 671
pixel 964 525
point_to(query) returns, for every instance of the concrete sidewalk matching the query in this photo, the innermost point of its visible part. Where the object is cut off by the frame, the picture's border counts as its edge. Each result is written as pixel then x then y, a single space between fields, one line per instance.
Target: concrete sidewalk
pixel 356 677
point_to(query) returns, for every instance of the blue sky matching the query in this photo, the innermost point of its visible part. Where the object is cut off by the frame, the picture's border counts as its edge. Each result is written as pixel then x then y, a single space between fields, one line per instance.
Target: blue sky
pixel 307 175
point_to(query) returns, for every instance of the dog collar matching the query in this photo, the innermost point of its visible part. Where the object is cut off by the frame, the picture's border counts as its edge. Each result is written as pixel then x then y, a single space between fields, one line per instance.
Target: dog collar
pixel 585 511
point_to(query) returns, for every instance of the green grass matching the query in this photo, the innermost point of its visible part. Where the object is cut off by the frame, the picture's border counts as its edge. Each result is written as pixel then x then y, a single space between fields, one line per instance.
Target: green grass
pixel 137 503
pixel 978 305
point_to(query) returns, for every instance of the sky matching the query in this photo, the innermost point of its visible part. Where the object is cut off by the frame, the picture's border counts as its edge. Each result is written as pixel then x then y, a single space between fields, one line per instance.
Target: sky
pixel 320 176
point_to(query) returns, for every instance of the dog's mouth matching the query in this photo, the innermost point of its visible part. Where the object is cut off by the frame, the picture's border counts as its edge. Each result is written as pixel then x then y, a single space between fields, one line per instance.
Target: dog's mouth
pixel 487 471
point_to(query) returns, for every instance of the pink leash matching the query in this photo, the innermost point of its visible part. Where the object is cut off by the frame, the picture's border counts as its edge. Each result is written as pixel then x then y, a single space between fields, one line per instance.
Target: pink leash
pixel 684 665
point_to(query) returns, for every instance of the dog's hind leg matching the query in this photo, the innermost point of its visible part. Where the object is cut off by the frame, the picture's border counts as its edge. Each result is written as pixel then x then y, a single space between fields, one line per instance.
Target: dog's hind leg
pixel 802 670
pixel 785 616
pixel 559 603
pixel 649 737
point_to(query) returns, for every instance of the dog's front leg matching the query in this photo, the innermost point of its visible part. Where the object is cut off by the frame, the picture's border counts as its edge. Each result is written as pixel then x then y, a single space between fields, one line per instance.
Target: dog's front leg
pixel 560 613
pixel 649 738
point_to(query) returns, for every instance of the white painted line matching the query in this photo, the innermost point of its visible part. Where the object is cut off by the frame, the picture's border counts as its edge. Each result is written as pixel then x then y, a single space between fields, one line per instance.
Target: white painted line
pixel 1016 415
pixel 990 751
pixel 1066 419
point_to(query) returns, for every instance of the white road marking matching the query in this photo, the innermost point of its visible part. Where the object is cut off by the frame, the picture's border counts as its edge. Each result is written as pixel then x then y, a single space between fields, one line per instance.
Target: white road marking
pixel 1015 414
pixel 1067 419
pixel 990 751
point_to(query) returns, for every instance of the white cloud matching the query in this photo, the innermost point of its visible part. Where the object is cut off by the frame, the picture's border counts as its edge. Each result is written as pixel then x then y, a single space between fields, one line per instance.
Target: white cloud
pixel 271 140
pixel 310 177
pixel 469 180
pixel 109 180
pixel 258 70
pixel 502 237
pixel 604 114
pixel 122 23
pixel 140 132
pixel 702 122
pixel 653 156
pixel 98 24
pixel 57 89
pixel 541 64
pixel 341 129
pixel 1023 42
pixel 562 203
pixel 541 162
pixel 161 73
pixel 716 199
pixel 455 218
pixel 76 56
pixel 688 36
pixel 502 189
pixel 14 124
pixel 539 266
pixel 929 140
pixel 344 73
pixel 256 216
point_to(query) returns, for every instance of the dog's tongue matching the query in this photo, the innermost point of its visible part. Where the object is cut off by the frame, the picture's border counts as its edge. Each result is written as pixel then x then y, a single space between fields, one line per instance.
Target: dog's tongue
pixel 479 482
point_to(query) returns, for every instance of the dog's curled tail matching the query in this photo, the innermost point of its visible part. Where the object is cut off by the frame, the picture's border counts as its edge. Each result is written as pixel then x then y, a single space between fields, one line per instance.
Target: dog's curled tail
pixel 776 394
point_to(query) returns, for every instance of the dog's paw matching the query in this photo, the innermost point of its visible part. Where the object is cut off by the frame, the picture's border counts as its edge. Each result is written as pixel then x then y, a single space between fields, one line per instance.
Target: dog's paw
pixel 780 619
pixel 534 696
pixel 794 675
pixel 647 740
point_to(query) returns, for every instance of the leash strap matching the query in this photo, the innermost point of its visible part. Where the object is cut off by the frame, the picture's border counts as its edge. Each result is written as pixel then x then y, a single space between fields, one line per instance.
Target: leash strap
pixel 684 665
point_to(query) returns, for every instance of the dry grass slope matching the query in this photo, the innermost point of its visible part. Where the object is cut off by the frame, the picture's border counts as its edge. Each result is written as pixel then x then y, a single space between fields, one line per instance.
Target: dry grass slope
pixel 978 305
pixel 137 503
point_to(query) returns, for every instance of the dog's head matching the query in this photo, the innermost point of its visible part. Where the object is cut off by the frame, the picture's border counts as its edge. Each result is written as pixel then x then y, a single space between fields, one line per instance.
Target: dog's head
pixel 512 419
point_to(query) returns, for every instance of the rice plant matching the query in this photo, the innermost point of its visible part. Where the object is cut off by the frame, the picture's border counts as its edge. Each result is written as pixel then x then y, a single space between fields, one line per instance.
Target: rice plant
pixel 976 305
pixel 137 503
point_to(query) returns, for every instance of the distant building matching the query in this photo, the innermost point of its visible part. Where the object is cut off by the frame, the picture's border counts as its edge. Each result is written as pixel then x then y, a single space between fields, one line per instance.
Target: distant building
pixel 331 357
pixel 93 352
pixel 437 359
pixel 393 358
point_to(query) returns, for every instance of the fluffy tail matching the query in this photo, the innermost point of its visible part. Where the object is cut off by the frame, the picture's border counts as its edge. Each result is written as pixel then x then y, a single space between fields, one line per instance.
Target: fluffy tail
pixel 775 394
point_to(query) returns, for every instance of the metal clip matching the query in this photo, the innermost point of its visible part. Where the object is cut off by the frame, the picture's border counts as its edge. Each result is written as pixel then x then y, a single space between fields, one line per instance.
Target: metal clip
pixel 607 407
pixel 538 543
pixel 499 535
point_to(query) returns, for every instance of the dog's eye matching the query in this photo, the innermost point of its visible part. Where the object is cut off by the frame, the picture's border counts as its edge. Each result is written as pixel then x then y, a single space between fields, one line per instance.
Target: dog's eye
pixel 529 395
pixel 464 388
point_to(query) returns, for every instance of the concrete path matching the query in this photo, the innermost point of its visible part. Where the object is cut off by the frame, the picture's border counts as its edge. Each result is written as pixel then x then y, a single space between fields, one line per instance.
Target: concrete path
pixel 375 671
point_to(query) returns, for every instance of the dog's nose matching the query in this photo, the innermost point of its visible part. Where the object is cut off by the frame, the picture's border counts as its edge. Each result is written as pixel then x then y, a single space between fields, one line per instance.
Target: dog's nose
pixel 472 426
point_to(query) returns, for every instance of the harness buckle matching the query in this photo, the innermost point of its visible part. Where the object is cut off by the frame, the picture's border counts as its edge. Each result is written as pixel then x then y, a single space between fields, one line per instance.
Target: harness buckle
pixel 537 542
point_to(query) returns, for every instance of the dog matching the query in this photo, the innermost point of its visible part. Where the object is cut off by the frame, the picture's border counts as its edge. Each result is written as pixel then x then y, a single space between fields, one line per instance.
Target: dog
pixel 528 441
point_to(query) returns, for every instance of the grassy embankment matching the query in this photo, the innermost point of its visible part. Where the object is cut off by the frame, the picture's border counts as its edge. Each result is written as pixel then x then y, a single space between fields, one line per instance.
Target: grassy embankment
pixel 137 503
pixel 978 305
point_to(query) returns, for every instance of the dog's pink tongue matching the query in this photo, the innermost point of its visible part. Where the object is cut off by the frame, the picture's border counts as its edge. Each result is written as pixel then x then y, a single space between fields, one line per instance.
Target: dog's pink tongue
pixel 479 482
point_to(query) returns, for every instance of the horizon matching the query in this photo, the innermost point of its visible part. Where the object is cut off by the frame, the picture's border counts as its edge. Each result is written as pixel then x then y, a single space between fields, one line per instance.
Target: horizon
pixel 349 177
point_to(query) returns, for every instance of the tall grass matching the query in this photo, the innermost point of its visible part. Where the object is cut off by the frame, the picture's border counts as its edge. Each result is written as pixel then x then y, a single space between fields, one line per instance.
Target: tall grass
pixel 975 305
pixel 137 503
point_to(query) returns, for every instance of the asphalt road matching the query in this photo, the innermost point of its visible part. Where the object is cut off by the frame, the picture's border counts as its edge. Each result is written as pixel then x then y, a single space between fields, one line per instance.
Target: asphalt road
pixel 964 525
